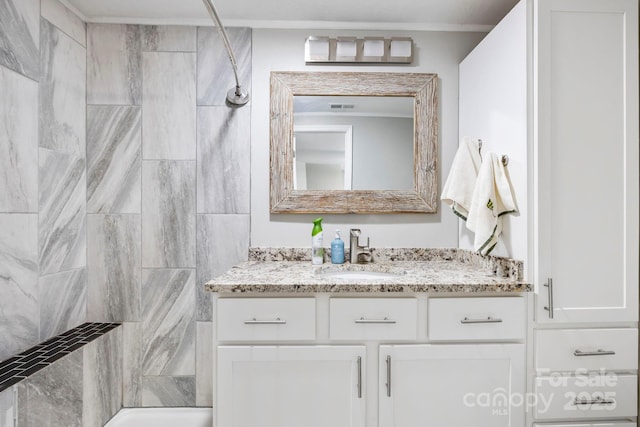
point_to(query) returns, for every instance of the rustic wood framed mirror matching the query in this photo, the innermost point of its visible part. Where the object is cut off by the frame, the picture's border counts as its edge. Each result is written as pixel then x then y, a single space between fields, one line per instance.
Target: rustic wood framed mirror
pixel 289 195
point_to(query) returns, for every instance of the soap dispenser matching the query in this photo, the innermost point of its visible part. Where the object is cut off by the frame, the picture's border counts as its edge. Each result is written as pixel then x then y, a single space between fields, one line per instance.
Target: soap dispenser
pixel 337 250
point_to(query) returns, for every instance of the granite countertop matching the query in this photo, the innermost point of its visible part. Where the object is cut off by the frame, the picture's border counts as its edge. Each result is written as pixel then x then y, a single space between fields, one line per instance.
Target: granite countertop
pixel 412 270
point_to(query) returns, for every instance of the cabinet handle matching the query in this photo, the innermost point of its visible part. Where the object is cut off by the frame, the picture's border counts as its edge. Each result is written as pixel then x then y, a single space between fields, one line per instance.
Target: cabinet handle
pixel 466 320
pixel 388 376
pixel 549 308
pixel 594 353
pixel 359 377
pixel 597 401
pixel 254 321
pixel 385 320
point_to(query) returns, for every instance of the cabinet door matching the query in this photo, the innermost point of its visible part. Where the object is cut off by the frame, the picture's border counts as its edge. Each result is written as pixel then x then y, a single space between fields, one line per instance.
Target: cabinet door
pixel 452 385
pixel 287 386
pixel 586 162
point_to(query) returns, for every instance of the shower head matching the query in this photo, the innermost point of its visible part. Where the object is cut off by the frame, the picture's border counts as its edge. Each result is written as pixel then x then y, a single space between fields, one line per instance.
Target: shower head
pixel 237 96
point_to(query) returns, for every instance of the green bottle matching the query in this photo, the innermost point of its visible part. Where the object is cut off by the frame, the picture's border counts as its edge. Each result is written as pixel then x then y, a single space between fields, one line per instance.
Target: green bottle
pixel 317 249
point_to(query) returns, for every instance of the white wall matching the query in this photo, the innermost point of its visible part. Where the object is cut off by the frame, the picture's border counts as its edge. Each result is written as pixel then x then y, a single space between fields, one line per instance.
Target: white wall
pixel 493 107
pixel 283 50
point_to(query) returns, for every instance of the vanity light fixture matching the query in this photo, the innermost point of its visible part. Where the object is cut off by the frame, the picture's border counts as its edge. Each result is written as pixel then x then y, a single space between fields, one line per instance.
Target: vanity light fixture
pixel 323 50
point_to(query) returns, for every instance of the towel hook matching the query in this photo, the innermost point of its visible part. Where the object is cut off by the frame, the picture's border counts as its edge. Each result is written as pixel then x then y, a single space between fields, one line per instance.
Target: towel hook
pixel 505 160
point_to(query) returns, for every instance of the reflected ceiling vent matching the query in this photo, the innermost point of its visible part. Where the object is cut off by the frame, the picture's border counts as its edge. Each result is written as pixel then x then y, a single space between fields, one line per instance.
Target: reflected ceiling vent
pixel 342 107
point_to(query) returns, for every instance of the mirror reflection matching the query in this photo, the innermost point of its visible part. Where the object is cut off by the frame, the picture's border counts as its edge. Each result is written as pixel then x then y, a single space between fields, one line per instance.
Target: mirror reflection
pixel 353 143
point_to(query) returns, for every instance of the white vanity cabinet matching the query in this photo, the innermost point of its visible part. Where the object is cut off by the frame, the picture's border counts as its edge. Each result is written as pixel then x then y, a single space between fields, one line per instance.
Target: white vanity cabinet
pixel 326 360
pixel 290 386
pixel 451 385
pixel 586 160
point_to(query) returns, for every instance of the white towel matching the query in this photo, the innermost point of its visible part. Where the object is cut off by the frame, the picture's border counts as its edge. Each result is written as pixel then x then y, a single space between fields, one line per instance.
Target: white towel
pixel 458 189
pixel 492 198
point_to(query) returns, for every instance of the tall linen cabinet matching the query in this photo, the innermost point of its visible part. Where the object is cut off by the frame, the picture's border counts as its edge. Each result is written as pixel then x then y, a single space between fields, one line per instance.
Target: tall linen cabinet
pixel 555 86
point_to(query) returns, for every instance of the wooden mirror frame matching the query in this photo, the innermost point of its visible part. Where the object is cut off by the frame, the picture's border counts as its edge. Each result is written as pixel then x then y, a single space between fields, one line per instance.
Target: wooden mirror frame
pixel 422 87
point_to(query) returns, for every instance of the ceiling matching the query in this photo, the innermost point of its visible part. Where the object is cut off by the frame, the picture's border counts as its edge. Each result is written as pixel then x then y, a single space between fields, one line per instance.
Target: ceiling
pixel 465 15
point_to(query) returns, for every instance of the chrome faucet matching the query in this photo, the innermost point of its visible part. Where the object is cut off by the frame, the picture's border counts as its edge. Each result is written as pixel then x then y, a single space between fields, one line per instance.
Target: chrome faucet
pixel 358 254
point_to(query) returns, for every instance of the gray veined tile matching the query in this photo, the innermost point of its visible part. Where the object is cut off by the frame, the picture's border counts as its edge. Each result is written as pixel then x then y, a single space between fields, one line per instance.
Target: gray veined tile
pixel 168 391
pixel 224 166
pixel 114 267
pixel 132 364
pixel 62 233
pixel 114 64
pixel 168 38
pixel 63 302
pixel 63 18
pixel 169 93
pixel 20 36
pixel 18 143
pixel 204 364
pixel 102 379
pixel 223 241
pixel 168 214
pixel 62 92
pixel 19 283
pixel 215 75
pixel 54 394
pixel 168 328
pixel 114 143
pixel 7 408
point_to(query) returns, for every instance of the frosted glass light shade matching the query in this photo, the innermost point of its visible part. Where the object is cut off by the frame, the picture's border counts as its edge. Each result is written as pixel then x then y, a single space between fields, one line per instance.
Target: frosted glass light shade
pixel 317 49
pixel 373 48
pixel 401 48
pixel 346 48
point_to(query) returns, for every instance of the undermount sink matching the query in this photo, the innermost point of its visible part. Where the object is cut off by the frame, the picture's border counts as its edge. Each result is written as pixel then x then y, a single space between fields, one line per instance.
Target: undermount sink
pixel 360 274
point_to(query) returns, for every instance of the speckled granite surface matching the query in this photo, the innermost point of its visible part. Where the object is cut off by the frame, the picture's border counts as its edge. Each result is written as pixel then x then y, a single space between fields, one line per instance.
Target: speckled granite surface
pixel 412 270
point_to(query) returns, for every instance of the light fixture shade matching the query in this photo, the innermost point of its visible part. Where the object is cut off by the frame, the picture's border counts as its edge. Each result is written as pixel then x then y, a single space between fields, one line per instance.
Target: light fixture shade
pixel 317 49
pixel 327 50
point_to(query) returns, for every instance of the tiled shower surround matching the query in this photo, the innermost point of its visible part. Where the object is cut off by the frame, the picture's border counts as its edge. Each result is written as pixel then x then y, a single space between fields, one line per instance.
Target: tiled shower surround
pixel 126 188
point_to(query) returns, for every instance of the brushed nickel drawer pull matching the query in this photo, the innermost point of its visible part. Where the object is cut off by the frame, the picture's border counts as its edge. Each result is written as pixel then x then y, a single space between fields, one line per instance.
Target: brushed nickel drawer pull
pixel 594 353
pixel 597 401
pixel 466 320
pixel 254 321
pixel 549 308
pixel 359 377
pixel 388 376
pixel 386 320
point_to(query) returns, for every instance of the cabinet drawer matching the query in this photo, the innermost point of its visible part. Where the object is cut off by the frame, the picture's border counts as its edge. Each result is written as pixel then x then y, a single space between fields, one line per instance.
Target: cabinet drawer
pixel 581 397
pixel 266 319
pixel 590 349
pixel 492 318
pixel 373 318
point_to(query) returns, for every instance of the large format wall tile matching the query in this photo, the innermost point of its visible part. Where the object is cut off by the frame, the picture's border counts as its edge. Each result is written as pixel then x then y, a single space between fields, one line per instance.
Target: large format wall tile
pixel 7 408
pixel 67 21
pixel 132 364
pixel 63 302
pixel 215 75
pixel 168 38
pixel 54 395
pixel 19 283
pixel 113 159
pixel 223 166
pixel 223 241
pixel 169 391
pixel 20 36
pixel 114 268
pixel 204 364
pixel 169 119
pixel 102 379
pixel 168 214
pixel 114 64
pixel 18 142
pixel 169 327
pixel 62 91
pixel 62 212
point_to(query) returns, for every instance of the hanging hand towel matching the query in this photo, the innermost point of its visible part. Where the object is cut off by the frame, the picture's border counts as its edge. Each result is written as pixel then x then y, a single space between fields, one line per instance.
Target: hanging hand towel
pixel 492 198
pixel 458 189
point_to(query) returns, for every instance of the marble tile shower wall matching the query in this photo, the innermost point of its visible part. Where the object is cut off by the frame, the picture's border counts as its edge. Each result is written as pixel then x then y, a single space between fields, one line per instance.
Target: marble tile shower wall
pixel 43 277
pixel 167 197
